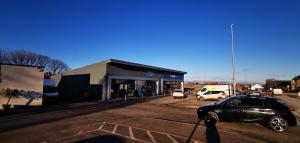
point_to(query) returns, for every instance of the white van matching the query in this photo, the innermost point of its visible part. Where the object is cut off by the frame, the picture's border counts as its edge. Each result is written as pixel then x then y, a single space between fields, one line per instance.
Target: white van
pixel 219 91
pixel 277 91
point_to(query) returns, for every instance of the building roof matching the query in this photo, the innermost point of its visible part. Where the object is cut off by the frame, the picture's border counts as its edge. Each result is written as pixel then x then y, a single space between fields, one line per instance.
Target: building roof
pixel 296 77
pixel 256 86
pixel 143 66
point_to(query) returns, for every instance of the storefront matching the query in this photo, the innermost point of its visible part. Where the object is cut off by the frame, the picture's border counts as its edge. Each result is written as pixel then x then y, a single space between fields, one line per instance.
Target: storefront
pixel 118 79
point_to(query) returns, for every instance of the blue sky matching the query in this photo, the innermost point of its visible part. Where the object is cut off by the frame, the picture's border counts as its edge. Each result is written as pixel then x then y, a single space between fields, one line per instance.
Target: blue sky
pixel 189 35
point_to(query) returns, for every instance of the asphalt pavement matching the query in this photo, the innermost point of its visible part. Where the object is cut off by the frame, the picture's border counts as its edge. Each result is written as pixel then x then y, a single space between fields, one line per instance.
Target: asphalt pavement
pixel 156 120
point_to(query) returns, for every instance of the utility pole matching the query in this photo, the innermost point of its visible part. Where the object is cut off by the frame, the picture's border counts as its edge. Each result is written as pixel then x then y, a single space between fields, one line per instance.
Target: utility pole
pixel 233 64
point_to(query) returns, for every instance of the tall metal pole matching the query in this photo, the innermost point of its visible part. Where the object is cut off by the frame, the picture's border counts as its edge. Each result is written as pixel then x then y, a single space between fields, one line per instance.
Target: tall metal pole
pixel 233 64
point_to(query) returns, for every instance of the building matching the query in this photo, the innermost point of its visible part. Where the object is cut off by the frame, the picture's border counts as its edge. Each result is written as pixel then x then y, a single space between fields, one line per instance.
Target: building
pixel 285 85
pixel 256 87
pixel 296 83
pixel 115 78
pixel 21 85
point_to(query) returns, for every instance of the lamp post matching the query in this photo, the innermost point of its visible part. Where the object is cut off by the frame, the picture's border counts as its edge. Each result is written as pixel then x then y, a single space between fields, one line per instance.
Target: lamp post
pixel 233 64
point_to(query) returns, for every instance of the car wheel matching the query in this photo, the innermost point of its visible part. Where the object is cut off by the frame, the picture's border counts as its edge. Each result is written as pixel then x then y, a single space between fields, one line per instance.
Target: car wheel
pixel 200 98
pixel 278 124
pixel 219 98
pixel 211 118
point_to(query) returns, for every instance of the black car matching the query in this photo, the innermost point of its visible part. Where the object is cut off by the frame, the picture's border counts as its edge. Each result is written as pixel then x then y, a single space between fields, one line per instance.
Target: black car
pixel 264 110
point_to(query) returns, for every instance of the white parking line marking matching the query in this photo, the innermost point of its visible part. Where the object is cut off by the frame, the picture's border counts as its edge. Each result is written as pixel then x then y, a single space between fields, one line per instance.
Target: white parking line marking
pixel 115 129
pixel 81 131
pixel 139 140
pixel 172 139
pixel 101 126
pixel 151 137
pixel 131 133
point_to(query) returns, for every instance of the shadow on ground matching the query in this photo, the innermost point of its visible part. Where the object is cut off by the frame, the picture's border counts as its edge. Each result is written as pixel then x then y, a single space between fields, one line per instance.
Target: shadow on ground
pixel 211 134
pixel 41 115
pixel 103 139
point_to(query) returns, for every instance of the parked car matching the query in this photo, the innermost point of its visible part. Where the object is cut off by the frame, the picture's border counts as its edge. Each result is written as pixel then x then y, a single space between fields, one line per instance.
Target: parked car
pixel 265 110
pixel 212 95
pixel 253 93
pixel 277 91
pixel 178 93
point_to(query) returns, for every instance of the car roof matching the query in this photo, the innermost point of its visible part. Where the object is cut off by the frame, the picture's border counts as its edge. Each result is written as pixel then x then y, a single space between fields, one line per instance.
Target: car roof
pixel 257 97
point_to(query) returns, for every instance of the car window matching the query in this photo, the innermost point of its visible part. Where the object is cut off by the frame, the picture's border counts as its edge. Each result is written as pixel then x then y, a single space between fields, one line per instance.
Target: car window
pixel 252 102
pixel 234 103
pixel 209 92
pixel 203 90
pixel 216 92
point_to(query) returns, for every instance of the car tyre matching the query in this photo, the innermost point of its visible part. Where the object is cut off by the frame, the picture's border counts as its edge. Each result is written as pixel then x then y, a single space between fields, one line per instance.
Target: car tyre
pixel 211 118
pixel 200 98
pixel 278 124
pixel 220 98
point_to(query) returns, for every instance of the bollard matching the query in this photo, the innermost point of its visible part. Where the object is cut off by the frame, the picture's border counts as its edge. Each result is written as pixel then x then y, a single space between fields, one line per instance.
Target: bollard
pixel 125 97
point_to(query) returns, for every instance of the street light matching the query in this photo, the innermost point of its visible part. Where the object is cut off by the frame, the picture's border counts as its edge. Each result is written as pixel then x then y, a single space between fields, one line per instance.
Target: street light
pixel 233 64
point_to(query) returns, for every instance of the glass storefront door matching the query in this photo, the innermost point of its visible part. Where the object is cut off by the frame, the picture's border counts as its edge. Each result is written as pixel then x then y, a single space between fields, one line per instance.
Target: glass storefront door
pixel 120 88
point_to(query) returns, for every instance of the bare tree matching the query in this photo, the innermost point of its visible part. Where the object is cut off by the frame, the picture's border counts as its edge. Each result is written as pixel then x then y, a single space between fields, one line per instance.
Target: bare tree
pixel 21 57
pixel 17 57
pixel 3 56
pixel 57 66
pixel 30 59
pixel 42 61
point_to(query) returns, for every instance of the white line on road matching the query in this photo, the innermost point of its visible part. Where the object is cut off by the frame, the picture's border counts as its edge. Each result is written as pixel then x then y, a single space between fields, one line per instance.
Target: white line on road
pixel 139 140
pixel 101 126
pixel 177 136
pixel 115 129
pixel 151 137
pixel 172 139
pixel 131 133
pixel 81 131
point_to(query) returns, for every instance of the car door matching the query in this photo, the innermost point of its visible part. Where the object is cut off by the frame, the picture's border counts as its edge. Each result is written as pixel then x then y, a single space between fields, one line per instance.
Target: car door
pixel 252 109
pixel 214 94
pixel 231 111
pixel 207 95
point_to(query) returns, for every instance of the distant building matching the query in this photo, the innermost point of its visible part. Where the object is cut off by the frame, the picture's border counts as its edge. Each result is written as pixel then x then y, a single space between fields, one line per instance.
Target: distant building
pixel 285 85
pixel 24 84
pixel 256 87
pixel 296 83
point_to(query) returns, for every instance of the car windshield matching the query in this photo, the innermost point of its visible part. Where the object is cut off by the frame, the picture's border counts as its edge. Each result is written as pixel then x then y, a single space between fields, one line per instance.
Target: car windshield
pixel 203 90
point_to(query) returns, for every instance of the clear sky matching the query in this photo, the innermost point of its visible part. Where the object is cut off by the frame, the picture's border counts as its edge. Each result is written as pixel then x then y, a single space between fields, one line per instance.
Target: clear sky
pixel 189 35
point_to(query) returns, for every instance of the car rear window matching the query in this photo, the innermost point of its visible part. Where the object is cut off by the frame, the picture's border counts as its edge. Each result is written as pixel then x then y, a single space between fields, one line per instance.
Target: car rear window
pixel 234 103
pixel 252 102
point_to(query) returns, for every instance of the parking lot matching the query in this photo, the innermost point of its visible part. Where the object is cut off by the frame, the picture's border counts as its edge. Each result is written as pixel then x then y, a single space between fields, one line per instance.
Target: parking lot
pixel 161 119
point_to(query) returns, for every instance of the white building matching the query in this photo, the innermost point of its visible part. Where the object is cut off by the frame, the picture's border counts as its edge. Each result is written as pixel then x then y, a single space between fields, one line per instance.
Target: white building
pixel 256 87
